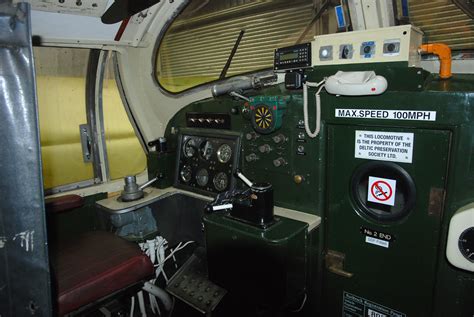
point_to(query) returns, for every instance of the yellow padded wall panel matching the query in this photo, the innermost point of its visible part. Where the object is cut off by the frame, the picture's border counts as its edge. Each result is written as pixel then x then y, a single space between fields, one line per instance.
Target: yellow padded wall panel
pixel 61 103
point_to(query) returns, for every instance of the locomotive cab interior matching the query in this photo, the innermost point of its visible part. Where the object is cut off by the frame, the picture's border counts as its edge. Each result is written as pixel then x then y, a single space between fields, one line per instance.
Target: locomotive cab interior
pixel 237 158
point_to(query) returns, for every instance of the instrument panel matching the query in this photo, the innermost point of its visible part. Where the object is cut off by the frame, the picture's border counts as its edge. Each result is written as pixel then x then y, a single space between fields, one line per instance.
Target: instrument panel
pixel 206 161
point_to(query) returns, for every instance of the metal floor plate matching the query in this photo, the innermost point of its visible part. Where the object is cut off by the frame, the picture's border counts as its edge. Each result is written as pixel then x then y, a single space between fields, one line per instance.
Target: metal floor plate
pixel 191 284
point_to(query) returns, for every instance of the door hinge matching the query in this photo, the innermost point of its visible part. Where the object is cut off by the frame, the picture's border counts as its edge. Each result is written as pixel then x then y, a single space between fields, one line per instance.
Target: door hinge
pixel 335 263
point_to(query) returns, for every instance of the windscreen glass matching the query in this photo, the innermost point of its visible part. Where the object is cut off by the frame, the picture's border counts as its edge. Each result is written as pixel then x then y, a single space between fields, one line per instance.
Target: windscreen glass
pixel 197 45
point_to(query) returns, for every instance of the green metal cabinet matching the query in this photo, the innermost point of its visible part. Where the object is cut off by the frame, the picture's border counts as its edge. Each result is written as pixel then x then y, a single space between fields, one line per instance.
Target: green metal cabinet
pixel 399 275
pixel 261 269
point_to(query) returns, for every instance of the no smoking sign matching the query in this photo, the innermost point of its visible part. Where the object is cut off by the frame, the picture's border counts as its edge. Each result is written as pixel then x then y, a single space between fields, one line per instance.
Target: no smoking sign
pixel 381 190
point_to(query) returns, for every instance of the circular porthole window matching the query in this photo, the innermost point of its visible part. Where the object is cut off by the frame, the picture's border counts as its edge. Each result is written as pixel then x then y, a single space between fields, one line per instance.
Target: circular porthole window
pixel 383 191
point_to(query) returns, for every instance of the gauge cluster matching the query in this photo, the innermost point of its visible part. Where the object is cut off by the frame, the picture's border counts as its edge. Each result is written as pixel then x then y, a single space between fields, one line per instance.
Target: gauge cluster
pixel 206 161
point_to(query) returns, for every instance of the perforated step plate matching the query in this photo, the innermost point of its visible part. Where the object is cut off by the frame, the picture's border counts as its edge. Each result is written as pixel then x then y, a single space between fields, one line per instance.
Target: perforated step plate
pixel 191 285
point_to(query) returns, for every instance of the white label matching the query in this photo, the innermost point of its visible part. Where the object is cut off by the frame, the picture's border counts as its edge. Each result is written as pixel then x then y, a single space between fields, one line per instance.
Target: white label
pixel 381 190
pixel 384 146
pixel 407 115
pixel 378 242
pixel 373 313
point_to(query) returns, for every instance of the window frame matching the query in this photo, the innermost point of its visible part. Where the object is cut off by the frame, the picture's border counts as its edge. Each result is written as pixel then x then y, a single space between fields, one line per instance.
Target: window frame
pixel 209 84
pixel 96 66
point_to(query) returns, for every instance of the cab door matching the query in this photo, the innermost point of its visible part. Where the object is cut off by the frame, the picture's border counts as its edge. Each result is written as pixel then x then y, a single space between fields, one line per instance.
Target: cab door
pixel 383 220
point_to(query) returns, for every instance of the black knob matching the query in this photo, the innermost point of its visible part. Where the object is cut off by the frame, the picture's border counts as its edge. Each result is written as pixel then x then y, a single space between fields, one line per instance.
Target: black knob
pixel 345 52
pixel 367 49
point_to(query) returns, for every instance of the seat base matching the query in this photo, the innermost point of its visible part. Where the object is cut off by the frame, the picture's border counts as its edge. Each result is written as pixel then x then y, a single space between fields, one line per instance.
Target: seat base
pixel 95 265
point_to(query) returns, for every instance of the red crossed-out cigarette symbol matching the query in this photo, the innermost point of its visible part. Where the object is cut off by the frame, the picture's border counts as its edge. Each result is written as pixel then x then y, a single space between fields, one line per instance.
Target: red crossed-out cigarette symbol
pixel 381 190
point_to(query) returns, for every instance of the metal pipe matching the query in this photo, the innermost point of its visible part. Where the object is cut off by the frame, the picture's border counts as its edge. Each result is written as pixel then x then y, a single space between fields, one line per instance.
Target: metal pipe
pixel 234 84
pixel 444 53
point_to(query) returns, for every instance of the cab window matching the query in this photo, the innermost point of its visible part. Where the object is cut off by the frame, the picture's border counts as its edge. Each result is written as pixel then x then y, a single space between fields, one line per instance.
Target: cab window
pixel 61 84
pixel 124 152
pixel 61 88
pixel 198 43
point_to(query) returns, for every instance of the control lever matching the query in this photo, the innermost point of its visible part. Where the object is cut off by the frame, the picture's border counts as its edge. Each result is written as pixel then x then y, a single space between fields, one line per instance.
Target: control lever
pixel 224 201
pixel 253 205
pixel 242 177
pixel 221 207
pixel 132 191
pixel 237 95
pixel 151 181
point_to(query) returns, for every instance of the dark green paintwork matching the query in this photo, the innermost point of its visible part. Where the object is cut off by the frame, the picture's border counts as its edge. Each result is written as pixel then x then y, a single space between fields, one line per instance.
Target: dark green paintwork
pixel 260 266
pixel 414 251
pixel 287 193
pixel 162 165
pixel 452 99
pixel 444 148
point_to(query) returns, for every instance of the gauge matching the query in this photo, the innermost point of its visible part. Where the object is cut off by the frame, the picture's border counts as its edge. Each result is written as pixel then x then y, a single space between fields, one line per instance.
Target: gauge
pixel 224 153
pixel 186 173
pixel 466 243
pixel 221 181
pixel 206 150
pixel 190 148
pixel 202 177
pixel 263 119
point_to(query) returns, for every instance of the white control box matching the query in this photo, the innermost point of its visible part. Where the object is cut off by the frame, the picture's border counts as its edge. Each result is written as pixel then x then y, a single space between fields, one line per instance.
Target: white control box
pixel 392 44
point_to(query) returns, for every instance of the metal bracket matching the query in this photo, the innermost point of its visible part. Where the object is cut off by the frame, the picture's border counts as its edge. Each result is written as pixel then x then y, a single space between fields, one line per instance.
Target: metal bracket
pixel 335 263
pixel 86 142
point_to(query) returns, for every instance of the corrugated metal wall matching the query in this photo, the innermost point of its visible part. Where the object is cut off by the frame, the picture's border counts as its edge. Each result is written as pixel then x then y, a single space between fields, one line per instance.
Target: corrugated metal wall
pixel 200 46
pixel 442 21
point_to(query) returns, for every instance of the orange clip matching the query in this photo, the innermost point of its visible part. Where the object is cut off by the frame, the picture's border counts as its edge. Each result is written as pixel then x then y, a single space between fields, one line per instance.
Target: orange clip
pixel 444 53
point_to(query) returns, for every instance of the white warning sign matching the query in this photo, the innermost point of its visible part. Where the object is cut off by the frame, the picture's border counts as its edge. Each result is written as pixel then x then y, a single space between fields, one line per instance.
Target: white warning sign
pixel 384 146
pixel 381 190
pixel 408 115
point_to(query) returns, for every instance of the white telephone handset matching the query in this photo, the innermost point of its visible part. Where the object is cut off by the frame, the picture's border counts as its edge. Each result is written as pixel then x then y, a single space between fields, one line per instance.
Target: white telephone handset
pixel 342 84
pixel 356 84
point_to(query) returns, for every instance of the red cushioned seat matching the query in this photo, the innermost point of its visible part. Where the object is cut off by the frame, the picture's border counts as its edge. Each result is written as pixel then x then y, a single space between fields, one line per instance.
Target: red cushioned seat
pixel 94 265
pixel 63 203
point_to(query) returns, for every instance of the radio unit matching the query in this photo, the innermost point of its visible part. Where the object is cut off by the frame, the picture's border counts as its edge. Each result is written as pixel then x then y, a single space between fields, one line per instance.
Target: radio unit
pixel 292 57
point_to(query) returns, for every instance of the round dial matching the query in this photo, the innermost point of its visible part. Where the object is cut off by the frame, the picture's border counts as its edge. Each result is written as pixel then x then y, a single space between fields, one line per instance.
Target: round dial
pixel 221 181
pixel 190 148
pixel 263 119
pixel 202 177
pixel 466 243
pixel 224 153
pixel 206 150
pixel 186 173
